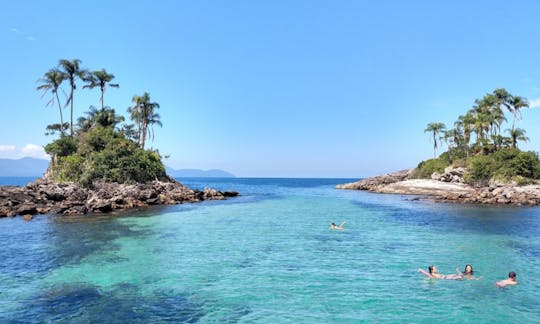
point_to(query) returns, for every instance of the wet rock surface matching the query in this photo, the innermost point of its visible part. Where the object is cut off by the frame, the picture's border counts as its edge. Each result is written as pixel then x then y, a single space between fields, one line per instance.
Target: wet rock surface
pixel 45 196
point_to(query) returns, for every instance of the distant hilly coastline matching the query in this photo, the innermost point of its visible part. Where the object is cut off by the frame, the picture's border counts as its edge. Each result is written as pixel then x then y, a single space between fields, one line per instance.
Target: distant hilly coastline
pixel 25 167
pixel 196 173
pixel 31 167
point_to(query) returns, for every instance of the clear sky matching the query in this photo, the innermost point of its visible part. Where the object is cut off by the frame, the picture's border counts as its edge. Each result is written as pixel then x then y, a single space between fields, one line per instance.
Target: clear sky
pixel 275 88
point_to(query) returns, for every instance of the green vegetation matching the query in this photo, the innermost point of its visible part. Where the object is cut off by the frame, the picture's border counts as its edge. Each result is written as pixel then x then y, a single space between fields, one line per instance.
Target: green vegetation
pixel 99 147
pixel 477 143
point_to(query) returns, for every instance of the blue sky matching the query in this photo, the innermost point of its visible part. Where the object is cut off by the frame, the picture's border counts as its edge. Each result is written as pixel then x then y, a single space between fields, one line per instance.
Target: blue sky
pixel 275 88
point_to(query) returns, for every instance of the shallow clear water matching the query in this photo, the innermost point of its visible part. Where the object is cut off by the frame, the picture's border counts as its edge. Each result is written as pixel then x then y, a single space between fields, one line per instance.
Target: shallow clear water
pixel 268 256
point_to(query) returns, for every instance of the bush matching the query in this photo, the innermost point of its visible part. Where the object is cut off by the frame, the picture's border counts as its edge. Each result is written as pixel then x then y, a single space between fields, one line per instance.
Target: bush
pixel 505 165
pixel 425 169
pixel 63 146
pixel 67 168
pixel 103 154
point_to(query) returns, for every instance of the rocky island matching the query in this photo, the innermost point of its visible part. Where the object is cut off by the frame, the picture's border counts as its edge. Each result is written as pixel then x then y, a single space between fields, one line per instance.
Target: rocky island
pixel 441 189
pixel 98 164
pixel 48 197
pixel 481 165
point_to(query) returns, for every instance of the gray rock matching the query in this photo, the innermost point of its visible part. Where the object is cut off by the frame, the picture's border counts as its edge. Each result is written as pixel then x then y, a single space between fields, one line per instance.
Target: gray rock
pixel 46 196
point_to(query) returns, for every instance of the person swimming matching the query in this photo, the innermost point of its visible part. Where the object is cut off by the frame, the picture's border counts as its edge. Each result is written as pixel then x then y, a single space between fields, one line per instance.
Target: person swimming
pixel 341 226
pixel 433 273
pixel 468 272
pixel 511 280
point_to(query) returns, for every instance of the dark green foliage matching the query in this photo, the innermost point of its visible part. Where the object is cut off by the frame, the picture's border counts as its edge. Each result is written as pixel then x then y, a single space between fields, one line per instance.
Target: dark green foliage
pixel 63 146
pixel 123 163
pixel 506 165
pixel 426 168
pixel 103 154
pixel 67 168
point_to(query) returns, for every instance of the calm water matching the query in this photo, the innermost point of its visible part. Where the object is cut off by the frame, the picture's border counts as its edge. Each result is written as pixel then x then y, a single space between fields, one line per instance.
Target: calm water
pixel 269 257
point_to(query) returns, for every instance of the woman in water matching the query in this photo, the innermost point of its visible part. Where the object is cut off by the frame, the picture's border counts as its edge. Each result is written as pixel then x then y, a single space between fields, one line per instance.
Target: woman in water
pixel 468 272
pixel 434 274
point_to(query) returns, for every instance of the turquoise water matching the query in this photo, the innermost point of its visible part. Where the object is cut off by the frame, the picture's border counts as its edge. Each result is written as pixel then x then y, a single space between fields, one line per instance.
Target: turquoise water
pixel 269 257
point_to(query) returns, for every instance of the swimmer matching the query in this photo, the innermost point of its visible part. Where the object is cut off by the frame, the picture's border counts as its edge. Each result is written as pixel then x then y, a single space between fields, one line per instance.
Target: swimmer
pixel 468 272
pixel 433 274
pixel 511 280
pixel 341 226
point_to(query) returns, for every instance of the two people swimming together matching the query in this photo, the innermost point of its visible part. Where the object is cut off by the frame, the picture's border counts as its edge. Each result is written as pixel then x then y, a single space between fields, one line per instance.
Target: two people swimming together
pixel 468 273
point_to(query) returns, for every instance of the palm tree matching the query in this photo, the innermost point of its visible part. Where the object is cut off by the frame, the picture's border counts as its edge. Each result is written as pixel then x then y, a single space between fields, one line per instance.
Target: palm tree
pixel 518 103
pixel 72 71
pixel 435 129
pixel 100 79
pixel 105 117
pixel 512 103
pixel 51 81
pixel 517 134
pixel 144 115
pixel 465 123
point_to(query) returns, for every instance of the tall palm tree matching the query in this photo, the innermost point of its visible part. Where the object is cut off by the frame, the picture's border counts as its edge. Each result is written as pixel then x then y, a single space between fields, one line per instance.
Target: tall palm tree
pixel 517 104
pixel 465 123
pixel 435 129
pixel 517 134
pixel 100 79
pixel 72 72
pixel 144 115
pixel 51 81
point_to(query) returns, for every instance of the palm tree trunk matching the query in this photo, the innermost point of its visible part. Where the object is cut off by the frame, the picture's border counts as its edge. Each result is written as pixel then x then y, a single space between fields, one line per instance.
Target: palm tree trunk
pixel 102 93
pixel 71 123
pixel 143 134
pixel 61 116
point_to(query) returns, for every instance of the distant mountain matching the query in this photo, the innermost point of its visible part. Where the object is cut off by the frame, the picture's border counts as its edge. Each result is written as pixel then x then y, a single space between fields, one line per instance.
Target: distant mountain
pixel 30 167
pixel 25 167
pixel 195 173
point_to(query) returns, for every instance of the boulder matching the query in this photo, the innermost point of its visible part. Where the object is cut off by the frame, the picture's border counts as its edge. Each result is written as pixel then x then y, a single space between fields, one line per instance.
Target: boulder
pixel 27 209
pixel 230 193
pixel 372 183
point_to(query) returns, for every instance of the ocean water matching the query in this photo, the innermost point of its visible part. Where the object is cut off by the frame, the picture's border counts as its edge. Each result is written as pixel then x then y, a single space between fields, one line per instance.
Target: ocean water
pixel 268 256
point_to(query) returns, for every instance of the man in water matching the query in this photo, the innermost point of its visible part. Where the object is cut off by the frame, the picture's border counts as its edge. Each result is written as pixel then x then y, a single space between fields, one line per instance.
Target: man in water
pixel 341 226
pixel 510 281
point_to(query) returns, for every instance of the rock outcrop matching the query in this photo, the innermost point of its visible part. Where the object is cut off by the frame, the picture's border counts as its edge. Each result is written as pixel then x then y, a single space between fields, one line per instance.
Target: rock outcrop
pixel 449 187
pixel 372 184
pixel 45 196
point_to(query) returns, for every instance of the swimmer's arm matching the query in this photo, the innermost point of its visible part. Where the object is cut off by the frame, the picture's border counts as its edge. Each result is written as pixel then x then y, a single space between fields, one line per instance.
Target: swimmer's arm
pixel 341 225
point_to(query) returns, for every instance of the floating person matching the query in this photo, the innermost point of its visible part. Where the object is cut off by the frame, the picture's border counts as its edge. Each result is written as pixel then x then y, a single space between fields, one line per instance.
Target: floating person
pixel 433 273
pixel 341 226
pixel 468 273
pixel 511 280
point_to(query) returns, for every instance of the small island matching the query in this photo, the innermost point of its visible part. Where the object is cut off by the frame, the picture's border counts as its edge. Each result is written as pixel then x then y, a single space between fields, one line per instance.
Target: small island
pixel 481 165
pixel 98 163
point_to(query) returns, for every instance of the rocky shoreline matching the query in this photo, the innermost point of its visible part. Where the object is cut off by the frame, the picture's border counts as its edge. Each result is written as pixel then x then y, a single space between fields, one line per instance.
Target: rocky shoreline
pixel 48 197
pixel 448 187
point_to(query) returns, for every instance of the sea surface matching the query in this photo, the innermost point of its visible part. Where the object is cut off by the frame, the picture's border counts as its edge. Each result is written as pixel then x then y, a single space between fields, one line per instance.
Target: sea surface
pixel 269 256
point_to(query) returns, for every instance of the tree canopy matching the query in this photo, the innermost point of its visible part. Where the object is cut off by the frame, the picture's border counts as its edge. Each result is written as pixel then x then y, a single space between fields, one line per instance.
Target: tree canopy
pixel 100 146
pixel 477 142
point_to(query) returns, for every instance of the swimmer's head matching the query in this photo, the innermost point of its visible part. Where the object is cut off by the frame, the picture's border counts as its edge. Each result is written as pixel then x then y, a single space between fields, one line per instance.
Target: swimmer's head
pixel 468 269
pixel 432 269
pixel 334 224
pixel 512 275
